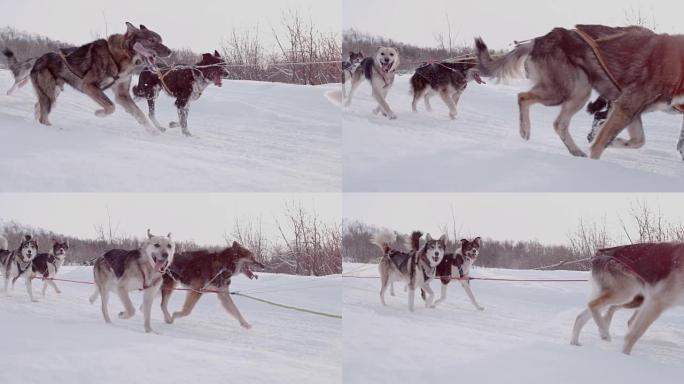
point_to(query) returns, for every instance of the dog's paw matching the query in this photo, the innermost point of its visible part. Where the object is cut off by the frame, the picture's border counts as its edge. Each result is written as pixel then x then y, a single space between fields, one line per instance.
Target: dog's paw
pixel 575 342
pixel 152 331
pixel 480 309
pixel 125 315
pixel 392 116
pixel 174 124
pixel 605 337
pixel 34 300
pixel 246 325
pixel 578 153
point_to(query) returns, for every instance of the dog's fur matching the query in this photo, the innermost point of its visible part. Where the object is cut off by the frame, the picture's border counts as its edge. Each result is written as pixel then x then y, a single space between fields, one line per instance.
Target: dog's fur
pixel 379 70
pixel 142 269
pixel 21 70
pixel 17 263
pixel 645 276
pixel 564 69
pixel 47 265
pixel 201 270
pixel 348 68
pixel 416 267
pixel 184 83
pixel 96 66
pixel 449 80
pixel 457 265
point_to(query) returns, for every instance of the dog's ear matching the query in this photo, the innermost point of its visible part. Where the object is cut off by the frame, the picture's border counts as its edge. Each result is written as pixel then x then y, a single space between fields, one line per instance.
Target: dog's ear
pixel 206 56
pixel 428 237
pixel 143 28
pixel 464 241
pixel 443 238
pixel 478 241
pixel 236 244
pixel 66 243
pixel 54 241
pixel 130 28
pixel 352 53
pixel 149 234
pixel 27 237
pixel 216 53
pixel 168 235
pixel 360 53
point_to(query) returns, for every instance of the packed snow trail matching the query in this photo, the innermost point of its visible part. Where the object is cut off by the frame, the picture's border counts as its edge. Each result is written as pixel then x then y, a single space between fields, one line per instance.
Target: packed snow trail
pixel 64 338
pixel 482 151
pixel 249 136
pixel 522 336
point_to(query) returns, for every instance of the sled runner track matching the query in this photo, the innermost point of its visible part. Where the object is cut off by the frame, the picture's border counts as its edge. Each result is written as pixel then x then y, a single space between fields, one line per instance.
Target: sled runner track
pixel 235 293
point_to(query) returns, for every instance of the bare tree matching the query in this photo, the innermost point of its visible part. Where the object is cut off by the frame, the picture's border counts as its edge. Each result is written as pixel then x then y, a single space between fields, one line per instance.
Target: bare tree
pixel 635 16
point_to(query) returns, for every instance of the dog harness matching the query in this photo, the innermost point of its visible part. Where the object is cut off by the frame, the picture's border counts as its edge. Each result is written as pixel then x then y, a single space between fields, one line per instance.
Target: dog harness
pixel 382 76
pixel 68 66
pixel 21 271
pixel 593 44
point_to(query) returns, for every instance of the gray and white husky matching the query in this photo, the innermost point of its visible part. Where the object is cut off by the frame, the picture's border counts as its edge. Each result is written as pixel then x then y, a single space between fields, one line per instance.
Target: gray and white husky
pixel 21 70
pixel 46 265
pixel 379 70
pixel 649 277
pixel 122 271
pixel 17 263
pixel 348 68
pixel 416 267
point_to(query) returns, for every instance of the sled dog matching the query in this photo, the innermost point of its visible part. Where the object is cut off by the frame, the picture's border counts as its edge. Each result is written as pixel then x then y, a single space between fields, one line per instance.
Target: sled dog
pixel 457 265
pixel 47 265
pixel 17 263
pixel 379 70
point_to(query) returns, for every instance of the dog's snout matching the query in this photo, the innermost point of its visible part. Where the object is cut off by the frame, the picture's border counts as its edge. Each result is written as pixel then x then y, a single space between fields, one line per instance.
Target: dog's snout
pixel 165 255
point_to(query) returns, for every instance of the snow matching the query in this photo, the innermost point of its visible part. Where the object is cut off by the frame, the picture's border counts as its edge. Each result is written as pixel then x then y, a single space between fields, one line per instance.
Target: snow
pixel 250 136
pixel 64 336
pixel 482 150
pixel 523 336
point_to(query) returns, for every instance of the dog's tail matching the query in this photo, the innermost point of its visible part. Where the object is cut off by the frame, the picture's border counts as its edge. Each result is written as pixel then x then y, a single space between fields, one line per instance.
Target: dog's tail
pixel 4 245
pixel 415 240
pixel 96 279
pixel 11 59
pixel 509 66
pixel 597 105
pixel 384 239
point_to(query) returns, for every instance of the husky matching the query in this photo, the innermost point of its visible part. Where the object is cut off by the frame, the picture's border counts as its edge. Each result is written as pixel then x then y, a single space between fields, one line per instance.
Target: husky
pixel 21 70
pixel 348 68
pixel 648 276
pixel 449 80
pixel 184 83
pixel 17 263
pixel 46 265
pixel 122 271
pixel 379 70
pixel 416 267
pixel 637 69
pixel 96 66
pixel 457 266
pixel 201 270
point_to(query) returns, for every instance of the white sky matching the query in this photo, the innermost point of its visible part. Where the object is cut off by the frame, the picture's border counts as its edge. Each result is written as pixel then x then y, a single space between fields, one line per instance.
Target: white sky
pixel 204 218
pixel 499 22
pixel 199 25
pixel 548 218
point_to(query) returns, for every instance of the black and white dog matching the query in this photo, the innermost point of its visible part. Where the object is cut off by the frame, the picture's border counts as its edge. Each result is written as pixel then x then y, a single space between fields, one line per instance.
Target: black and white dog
pixel 447 79
pixel 46 265
pixel 348 68
pixel 379 70
pixel 18 263
pixel 457 266
pixel 416 267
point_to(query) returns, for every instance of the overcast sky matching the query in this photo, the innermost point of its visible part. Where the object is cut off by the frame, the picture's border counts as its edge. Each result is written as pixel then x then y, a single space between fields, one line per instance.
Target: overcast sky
pixel 204 218
pixel 548 218
pixel 499 22
pixel 199 25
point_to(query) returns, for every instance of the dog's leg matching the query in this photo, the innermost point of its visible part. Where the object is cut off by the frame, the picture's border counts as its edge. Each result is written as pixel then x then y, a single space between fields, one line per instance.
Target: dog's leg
pixel 104 299
pixel 45 86
pixel 680 143
pixel 417 95
pixel 384 281
pixel 392 289
pixel 95 93
pixel 604 299
pixel 29 286
pixel 466 286
pixel 426 100
pixel 6 282
pixel 443 294
pixel 446 97
pixel 229 305
pixel 429 300
pixel 167 291
pixel 411 298
pixel 636 136
pixel 562 124
pixel 123 98
pixel 622 112
pixel 355 82
pixel 344 88
pixel 151 114
pixel 45 284
pixel 456 96
pixel 190 300
pixel 647 314
pixel 581 320
pixel 148 299
pixel 379 96
pixel 129 310
pixel 525 100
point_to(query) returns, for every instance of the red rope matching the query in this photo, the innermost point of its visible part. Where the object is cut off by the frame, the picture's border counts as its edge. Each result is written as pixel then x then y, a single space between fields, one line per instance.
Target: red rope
pixel 488 279
pixel 91 283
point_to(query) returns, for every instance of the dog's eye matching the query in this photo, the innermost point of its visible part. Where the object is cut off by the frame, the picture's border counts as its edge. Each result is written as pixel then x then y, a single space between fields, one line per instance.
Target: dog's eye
pixel 382 53
pixel 168 246
pixel 157 245
pixel 391 54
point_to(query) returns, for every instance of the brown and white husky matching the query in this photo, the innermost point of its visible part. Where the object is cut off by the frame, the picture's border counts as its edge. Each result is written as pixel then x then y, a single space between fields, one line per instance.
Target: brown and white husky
pixel 457 265
pixel 647 276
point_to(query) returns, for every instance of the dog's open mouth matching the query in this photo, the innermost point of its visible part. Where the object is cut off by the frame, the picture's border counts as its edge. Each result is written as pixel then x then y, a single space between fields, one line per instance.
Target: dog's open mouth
pixel 478 79
pixel 160 265
pixel 247 270
pixel 386 66
pixel 218 81
pixel 149 55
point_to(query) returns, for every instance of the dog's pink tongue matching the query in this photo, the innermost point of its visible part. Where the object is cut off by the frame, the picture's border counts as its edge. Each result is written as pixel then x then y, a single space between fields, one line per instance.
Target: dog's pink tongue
pixel 248 272
pixel 159 265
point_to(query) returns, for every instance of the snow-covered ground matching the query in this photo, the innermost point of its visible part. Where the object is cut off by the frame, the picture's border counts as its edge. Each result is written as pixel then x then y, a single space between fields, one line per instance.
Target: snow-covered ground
pixel 63 338
pixel 250 136
pixel 522 336
pixel 482 150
